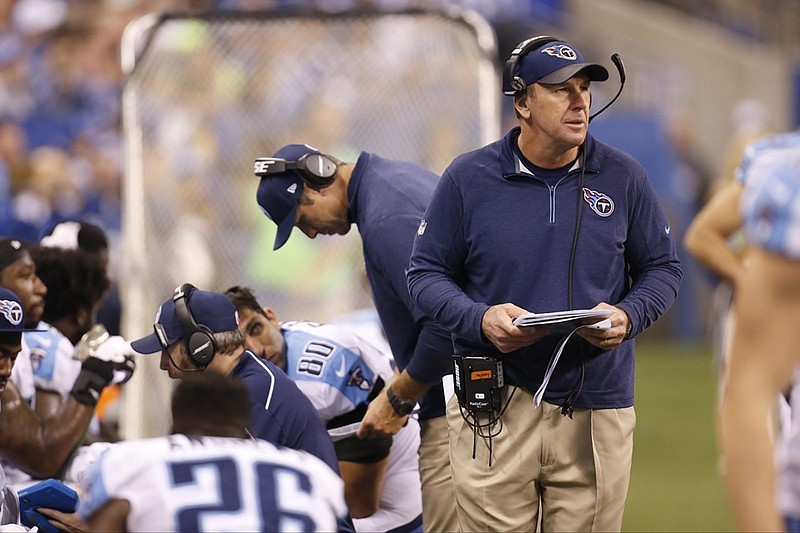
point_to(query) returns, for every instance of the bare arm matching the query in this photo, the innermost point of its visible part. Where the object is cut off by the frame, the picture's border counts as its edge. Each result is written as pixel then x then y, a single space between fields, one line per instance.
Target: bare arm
pixel 363 484
pixel 47 403
pixel 110 518
pixel 764 355
pixel 707 236
pixel 69 522
pixel 40 447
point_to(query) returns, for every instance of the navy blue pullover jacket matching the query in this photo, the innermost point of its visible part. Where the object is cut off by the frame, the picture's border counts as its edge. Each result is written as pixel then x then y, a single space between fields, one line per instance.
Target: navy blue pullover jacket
pixel 493 235
pixel 387 201
pixel 280 412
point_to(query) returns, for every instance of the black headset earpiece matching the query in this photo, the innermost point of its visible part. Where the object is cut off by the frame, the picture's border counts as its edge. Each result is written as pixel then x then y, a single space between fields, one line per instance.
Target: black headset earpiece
pixel 512 84
pixel 197 338
pixel 318 170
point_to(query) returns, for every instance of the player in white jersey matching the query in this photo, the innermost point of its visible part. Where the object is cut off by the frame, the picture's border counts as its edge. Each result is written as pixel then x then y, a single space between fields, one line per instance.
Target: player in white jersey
pixel 77 283
pixel 12 326
pixel 37 443
pixel 45 370
pixel 209 475
pixel 18 274
pixel 341 373
pixel 766 339
pixel 11 323
pixel 716 239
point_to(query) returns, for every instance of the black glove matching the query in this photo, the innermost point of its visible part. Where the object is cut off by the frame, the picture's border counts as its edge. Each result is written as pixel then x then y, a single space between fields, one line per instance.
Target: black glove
pixel 96 374
pixel 118 351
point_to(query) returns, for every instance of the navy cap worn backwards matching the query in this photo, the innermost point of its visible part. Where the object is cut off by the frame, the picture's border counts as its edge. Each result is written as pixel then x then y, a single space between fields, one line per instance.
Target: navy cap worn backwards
pixel 556 62
pixel 278 194
pixel 10 251
pixel 74 234
pixel 210 309
pixel 12 316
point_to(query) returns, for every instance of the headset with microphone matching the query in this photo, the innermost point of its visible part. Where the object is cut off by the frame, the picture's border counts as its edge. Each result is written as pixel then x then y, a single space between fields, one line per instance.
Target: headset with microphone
pixel 197 338
pixel 318 170
pixel 512 84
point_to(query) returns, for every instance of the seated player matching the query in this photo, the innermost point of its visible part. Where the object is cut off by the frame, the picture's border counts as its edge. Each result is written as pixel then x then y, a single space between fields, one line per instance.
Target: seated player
pixel 12 324
pixel 340 373
pixel 197 331
pixel 210 474
pixel 40 446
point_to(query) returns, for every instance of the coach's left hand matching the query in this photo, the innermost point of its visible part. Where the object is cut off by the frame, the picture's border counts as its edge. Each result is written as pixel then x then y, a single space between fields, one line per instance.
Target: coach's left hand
pixel 612 337
pixel 380 419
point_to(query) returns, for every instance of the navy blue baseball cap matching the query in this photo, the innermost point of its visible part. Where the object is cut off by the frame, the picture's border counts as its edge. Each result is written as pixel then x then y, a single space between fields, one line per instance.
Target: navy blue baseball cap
pixel 556 62
pixel 12 315
pixel 278 194
pixel 210 309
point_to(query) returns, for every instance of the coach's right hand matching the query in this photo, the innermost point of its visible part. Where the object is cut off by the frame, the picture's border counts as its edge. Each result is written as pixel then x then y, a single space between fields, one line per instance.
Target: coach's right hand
pixel 497 327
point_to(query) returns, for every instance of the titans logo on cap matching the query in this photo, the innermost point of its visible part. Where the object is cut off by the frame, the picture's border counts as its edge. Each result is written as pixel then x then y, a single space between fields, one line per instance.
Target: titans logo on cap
pixel 599 202
pixel 561 51
pixel 12 311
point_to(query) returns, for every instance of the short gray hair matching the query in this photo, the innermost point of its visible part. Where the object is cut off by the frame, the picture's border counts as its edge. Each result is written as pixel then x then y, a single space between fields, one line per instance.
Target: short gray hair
pixel 228 341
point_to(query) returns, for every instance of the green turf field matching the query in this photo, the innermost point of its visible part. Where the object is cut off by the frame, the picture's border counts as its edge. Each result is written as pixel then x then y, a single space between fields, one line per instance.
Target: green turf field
pixel 675 483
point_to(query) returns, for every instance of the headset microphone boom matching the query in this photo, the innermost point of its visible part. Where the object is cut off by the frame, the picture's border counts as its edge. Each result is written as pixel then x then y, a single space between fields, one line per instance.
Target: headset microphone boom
pixel 621 69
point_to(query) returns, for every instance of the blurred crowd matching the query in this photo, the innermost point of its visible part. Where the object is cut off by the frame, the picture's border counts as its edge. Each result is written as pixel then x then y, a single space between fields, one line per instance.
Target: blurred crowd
pixel 60 87
pixel 60 101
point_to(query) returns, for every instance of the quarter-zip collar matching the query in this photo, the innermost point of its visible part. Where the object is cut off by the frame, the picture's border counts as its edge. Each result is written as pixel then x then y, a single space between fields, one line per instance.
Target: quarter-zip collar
pixel 511 166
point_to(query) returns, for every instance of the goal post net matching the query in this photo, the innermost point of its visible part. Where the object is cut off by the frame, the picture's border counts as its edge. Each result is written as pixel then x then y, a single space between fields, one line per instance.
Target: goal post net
pixel 205 95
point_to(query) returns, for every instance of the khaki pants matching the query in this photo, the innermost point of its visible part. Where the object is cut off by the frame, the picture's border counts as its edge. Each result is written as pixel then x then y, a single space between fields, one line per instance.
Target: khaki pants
pixel 438 496
pixel 547 469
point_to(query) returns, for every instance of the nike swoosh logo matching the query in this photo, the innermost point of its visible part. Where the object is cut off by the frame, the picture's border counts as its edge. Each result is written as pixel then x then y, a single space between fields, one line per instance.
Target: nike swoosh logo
pixel 342 369
pixel 667 229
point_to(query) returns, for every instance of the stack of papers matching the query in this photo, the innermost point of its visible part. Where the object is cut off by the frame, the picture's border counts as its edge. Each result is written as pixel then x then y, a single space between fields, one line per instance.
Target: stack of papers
pixel 564 320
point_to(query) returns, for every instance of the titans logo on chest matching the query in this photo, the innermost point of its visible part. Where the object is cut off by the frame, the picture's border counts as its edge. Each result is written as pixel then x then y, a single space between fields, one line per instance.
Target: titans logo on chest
pixel 600 203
